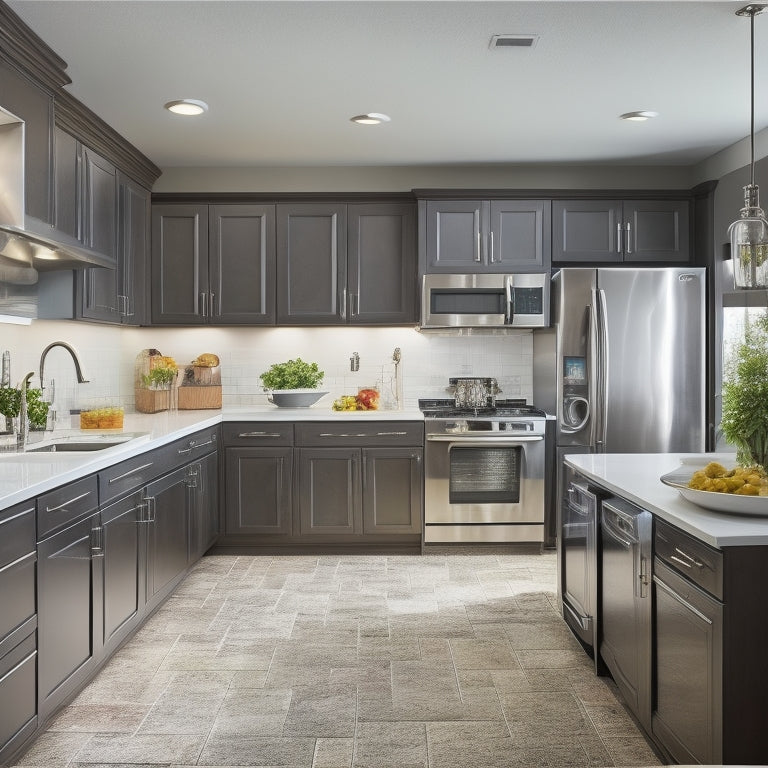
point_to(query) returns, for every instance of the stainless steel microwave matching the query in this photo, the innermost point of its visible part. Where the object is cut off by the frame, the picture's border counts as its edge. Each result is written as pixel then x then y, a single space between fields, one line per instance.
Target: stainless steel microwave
pixel 485 301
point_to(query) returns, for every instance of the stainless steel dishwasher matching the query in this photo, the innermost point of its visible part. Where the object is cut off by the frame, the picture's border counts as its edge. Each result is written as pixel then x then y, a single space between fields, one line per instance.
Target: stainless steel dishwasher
pixel 625 610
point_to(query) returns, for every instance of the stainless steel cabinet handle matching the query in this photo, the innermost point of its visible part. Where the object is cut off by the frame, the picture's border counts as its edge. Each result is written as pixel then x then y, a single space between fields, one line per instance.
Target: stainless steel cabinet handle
pixel 129 473
pixel 628 247
pixel 202 303
pixel 344 304
pixel 343 434
pixel 142 511
pixel 259 434
pixel 688 557
pixel 354 302
pixel 29 556
pixel 97 541
pixel 151 509
pixel 671 592
pixel 477 251
pixel 211 298
pixel 192 445
pixel 388 434
pixel 67 503
pixel 490 238
pixel 618 237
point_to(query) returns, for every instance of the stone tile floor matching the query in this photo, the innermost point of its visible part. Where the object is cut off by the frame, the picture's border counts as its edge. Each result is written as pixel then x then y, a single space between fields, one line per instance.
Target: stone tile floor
pixel 454 659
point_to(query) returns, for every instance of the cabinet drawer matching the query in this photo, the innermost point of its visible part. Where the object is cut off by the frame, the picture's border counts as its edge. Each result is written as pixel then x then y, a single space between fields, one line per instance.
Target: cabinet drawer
pixel 698 562
pixel 193 447
pixel 17 689
pixel 65 504
pixel 134 473
pixel 17 593
pixel 255 433
pixel 322 434
pixel 17 533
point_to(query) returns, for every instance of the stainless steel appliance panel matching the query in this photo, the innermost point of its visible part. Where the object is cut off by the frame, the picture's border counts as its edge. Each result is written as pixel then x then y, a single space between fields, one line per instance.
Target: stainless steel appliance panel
pixel 652 330
pixel 631 359
pixel 625 602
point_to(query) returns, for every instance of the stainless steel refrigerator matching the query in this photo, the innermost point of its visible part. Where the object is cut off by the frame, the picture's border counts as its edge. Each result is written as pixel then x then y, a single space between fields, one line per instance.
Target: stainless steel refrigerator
pixel 631 359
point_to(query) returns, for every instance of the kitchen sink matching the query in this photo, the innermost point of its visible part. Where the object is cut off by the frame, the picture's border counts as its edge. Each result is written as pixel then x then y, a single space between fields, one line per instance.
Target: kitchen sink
pixel 72 445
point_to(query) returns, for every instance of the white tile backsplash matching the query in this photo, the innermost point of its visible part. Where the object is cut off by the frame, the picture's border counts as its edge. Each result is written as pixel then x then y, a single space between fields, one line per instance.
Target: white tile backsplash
pixel 428 360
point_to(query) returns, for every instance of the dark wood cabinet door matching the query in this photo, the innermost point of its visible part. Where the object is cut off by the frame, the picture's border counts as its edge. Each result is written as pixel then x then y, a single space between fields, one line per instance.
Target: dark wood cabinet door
pixel 99 231
pixel 312 264
pixel 179 264
pixel 454 236
pixel 656 230
pixel 329 491
pixel 242 264
pixel 208 500
pixel 381 257
pixel 27 101
pixel 519 239
pixel 167 533
pixel 124 572
pixel 587 231
pixel 133 248
pixel 392 490
pixel 258 490
pixel 68 604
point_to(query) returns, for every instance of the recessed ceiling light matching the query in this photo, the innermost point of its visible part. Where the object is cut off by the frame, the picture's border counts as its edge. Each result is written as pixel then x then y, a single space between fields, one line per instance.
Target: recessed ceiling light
pixel 371 118
pixel 187 107
pixel 638 117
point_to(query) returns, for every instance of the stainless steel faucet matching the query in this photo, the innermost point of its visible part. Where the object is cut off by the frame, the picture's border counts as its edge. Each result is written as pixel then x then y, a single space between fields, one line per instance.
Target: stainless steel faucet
pixel 78 369
pixel 23 433
pixel 78 372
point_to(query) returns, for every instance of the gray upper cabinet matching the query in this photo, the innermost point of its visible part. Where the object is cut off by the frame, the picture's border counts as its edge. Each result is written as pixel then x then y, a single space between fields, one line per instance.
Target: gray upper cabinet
pixel 592 231
pixel 133 247
pixel 312 264
pixel 34 105
pixel 381 263
pixel 241 264
pixel 212 264
pixel 66 177
pixel 485 235
pixel 346 263
pixel 100 287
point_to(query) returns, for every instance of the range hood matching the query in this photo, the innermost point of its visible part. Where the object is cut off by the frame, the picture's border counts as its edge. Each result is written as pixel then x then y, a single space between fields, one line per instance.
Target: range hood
pixel 28 245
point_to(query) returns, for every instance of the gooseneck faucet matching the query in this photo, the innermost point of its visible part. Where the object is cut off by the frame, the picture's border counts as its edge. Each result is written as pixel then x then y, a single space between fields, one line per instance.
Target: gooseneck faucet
pixel 23 433
pixel 78 369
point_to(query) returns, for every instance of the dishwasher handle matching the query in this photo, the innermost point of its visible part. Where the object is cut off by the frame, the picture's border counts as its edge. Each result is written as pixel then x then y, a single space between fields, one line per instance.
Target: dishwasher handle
pixel 615 525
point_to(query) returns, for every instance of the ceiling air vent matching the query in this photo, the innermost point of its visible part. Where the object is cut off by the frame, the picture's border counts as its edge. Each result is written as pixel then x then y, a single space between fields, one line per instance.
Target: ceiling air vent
pixel 513 41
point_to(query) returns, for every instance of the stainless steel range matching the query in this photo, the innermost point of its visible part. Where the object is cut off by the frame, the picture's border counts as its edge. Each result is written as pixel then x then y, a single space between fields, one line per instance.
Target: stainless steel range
pixel 484 473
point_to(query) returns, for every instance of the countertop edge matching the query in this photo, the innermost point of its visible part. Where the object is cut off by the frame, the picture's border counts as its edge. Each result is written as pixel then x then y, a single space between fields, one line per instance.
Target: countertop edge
pixel 23 479
pixel 642 486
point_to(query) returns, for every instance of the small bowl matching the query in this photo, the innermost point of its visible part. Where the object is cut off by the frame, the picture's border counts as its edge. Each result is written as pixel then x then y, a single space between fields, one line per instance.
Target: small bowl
pixel 295 398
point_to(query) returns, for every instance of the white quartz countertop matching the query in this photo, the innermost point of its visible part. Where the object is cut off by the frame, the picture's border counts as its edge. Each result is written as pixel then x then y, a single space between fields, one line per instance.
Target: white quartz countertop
pixel 636 477
pixel 23 476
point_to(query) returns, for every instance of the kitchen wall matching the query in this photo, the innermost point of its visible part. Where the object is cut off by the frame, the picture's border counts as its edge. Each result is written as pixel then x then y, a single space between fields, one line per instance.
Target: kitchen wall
pixel 428 360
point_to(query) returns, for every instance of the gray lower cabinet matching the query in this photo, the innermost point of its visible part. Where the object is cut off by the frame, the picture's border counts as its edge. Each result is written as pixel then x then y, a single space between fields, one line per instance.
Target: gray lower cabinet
pixel 204 505
pixel 167 532
pixel 213 264
pixel 485 236
pixel 69 600
pixel 124 569
pixel 329 497
pixel 18 621
pixel 348 491
pixel 342 264
pixel 359 481
pixel 596 231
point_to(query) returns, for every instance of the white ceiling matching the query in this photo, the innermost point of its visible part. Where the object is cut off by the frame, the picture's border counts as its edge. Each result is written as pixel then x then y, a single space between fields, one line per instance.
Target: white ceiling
pixel 283 78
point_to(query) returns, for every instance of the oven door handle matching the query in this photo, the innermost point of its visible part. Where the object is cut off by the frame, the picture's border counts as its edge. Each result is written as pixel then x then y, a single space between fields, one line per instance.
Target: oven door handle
pixel 479 441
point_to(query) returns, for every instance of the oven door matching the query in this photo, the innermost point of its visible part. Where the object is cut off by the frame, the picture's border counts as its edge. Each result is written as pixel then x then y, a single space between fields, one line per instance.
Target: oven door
pixel 484 480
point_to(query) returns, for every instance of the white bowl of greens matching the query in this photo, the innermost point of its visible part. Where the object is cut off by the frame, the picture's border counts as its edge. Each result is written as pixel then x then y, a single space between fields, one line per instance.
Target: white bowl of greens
pixel 293 384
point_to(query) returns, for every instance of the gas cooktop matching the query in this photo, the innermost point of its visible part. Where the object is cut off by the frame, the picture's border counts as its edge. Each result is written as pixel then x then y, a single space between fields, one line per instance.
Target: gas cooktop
pixel 446 408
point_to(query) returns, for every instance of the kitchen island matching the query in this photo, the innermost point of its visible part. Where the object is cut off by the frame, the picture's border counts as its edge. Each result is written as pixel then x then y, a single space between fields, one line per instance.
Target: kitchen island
pixel 636 477
pixel 673 608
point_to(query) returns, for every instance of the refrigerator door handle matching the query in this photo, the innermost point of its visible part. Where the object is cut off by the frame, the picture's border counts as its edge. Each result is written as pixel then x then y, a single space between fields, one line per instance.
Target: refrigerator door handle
pixel 603 382
pixel 593 361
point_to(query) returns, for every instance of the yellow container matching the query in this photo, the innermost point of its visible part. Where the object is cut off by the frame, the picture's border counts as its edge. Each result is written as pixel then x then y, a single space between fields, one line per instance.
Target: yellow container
pixel 110 417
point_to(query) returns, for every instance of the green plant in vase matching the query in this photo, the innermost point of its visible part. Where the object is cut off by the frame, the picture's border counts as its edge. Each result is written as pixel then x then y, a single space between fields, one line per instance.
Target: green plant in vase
pixel 159 378
pixel 745 395
pixel 10 405
pixel 37 409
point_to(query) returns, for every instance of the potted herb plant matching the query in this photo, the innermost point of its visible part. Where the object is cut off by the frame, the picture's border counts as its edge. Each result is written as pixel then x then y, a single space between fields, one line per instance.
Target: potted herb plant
pixel 10 406
pixel 745 395
pixel 293 384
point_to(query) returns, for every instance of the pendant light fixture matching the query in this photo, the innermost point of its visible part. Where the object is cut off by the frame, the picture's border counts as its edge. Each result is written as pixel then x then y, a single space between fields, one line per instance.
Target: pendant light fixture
pixel 749 233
